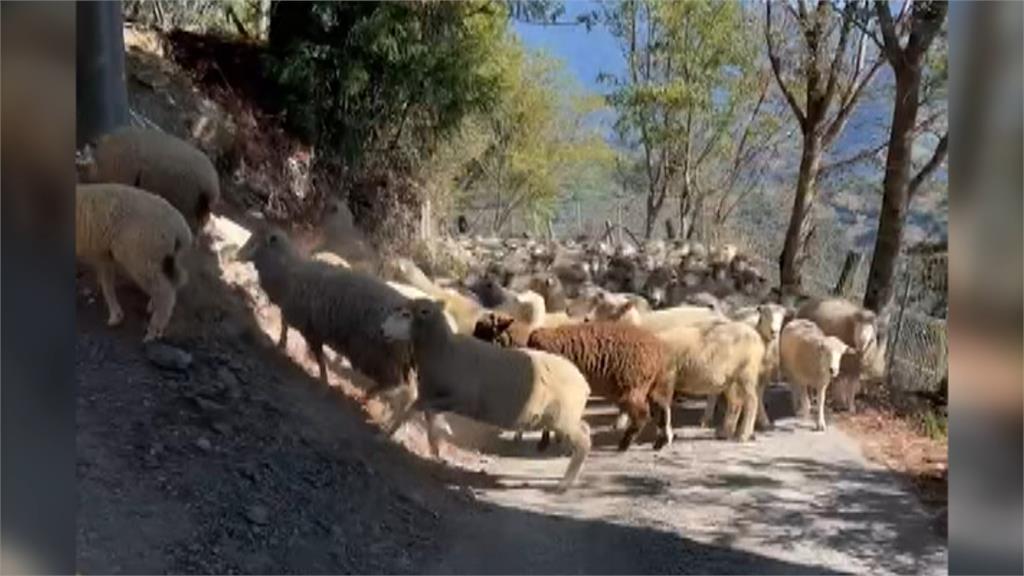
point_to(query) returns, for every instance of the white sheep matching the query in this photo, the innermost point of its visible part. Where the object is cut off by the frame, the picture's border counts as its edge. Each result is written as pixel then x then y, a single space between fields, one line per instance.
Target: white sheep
pixel 330 305
pixel 767 320
pixel 809 360
pixel 720 356
pixel 121 225
pixel 857 328
pixel 656 320
pixel 464 309
pixel 509 388
pixel 159 163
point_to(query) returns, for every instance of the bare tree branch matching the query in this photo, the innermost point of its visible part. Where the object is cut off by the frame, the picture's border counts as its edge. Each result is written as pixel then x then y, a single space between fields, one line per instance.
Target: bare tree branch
pixel 938 157
pixel 773 58
pixel 848 103
pixel 869 152
pixel 837 58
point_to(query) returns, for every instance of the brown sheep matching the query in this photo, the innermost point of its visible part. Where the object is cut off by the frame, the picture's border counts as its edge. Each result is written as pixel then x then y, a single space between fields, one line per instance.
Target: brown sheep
pixel 621 362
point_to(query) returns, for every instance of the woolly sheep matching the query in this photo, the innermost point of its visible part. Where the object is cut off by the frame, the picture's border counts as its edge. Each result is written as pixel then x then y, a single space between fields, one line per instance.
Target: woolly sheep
pixel 512 389
pixel 159 163
pixel 810 360
pixel 657 320
pixel 329 305
pixel 655 288
pixel 412 293
pixel 489 290
pixel 717 356
pixel 344 240
pixel 550 288
pixel 622 363
pixel 767 320
pixel 857 328
pixel 463 309
pixel 121 225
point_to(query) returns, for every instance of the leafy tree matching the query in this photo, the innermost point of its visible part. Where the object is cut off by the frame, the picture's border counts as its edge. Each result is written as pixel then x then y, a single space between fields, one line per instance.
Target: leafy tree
pixel 388 79
pixel 538 143
pixel 686 86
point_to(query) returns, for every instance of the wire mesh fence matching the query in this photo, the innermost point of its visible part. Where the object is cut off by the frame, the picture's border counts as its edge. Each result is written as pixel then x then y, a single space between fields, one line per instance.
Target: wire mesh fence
pixel 918 345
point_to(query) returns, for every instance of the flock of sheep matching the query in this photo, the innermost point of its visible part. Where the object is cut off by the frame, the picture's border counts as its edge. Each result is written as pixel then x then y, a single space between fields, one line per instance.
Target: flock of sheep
pixel 521 341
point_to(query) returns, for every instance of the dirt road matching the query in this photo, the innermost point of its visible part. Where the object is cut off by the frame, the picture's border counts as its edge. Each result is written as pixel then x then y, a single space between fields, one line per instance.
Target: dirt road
pixel 241 462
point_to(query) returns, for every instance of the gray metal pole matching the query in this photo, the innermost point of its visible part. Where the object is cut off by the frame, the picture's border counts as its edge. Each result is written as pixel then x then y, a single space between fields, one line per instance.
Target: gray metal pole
pixel 102 95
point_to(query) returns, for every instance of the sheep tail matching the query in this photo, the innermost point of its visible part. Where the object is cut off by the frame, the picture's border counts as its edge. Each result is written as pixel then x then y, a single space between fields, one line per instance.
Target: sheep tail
pixel 172 268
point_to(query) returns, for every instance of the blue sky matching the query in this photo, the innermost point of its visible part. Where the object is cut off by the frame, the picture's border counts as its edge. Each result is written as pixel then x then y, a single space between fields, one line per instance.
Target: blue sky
pixel 586 54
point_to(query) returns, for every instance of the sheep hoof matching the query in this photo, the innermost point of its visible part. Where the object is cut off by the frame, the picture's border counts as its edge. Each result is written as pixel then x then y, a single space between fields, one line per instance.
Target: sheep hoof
pixel 115 318
pixel 660 443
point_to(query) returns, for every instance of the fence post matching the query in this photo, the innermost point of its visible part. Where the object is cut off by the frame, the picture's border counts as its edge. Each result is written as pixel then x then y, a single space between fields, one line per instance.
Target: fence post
pixel 100 82
pixel 848 273
pixel 895 340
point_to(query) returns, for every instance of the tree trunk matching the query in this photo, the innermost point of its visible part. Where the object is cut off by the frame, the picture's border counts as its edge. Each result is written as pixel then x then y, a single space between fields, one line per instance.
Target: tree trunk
pixel 850 266
pixel 685 207
pixel 650 218
pixel 791 259
pixel 102 95
pixel 896 190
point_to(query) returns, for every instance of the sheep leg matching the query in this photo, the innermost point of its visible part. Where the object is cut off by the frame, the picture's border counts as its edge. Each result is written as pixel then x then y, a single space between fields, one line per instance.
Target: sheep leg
pixel 709 411
pixel 433 433
pixel 763 421
pixel 105 276
pixel 317 349
pixel 663 415
pixel 282 340
pixel 401 417
pixel 734 406
pixel 579 439
pixel 545 441
pixel 800 400
pixel 639 415
pixel 850 389
pixel 163 297
pixel 751 409
pixel 819 423
pixel 622 421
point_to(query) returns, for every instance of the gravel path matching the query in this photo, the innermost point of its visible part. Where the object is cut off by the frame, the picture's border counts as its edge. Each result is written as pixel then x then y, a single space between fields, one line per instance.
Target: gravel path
pixel 793 501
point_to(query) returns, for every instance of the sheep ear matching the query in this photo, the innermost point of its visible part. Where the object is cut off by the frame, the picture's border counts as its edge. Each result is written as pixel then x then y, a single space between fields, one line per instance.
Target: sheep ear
pixel 503 322
pixel 624 308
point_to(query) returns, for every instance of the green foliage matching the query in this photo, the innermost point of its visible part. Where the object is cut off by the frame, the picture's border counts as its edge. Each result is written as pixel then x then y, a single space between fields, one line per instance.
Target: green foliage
pixel 690 77
pixel 535 145
pixel 389 80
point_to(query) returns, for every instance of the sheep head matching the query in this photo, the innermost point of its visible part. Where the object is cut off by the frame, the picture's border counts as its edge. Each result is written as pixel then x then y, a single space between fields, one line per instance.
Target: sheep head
pixel 499 329
pixel 264 245
pixel 833 350
pixel 610 310
pixel 420 316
